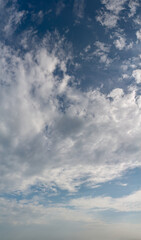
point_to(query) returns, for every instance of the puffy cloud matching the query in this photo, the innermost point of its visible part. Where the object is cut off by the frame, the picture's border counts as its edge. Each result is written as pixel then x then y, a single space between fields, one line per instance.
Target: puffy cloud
pixel 138 34
pixel 133 5
pixel 102 52
pixel 109 17
pixel 137 20
pixel 137 75
pixel 114 6
pixel 120 43
pixel 55 134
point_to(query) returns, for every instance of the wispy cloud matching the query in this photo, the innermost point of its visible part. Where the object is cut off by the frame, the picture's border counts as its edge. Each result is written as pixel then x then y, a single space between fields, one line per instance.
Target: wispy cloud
pixel 78 8
pixel 56 137
pixel 127 203
pixel 10 17
pixel 59 7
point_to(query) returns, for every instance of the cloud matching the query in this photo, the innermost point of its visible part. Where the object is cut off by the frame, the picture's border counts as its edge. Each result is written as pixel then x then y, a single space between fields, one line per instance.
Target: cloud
pixel 138 34
pixel 10 18
pixel 129 203
pixel 137 75
pixel 133 5
pixel 55 134
pixel 28 212
pixel 87 48
pixel 102 52
pixel 59 7
pixel 78 8
pixel 114 6
pixel 107 19
pixel 122 184
pixel 56 137
pixel 79 216
pixel 30 219
pixel 137 20
pixel 110 15
pixel 120 43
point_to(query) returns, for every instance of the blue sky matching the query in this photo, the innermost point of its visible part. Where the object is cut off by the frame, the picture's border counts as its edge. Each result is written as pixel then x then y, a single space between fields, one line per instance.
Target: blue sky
pixel 70 119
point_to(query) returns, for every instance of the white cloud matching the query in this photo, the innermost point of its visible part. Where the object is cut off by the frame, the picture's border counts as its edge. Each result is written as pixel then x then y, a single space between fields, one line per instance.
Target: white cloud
pixel 87 48
pixel 137 75
pixel 30 219
pixel 138 34
pixel 107 19
pixel 59 7
pixel 120 43
pixel 102 52
pixel 129 203
pixel 124 76
pixel 55 135
pixel 30 212
pixel 10 17
pixel 60 143
pixel 137 20
pixel 133 4
pixel 110 16
pixel 122 184
pixel 114 5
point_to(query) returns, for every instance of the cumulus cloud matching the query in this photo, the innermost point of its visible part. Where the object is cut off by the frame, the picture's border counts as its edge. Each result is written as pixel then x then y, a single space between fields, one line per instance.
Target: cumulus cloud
pixel 113 5
pixel 137 20
pixel 102 52
pixel 138 34
pixel 137 75
pixel 107 19
pixel 133 5
pixel 56 137
pixel 55 134
pixel 110 15
pixel 120 43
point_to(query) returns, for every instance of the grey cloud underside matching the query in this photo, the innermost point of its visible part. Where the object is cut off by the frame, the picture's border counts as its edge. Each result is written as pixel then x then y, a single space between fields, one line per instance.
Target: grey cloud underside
pixel 95 136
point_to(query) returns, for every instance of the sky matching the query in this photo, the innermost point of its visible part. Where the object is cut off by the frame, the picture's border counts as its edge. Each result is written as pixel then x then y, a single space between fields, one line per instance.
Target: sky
pixel 70 119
